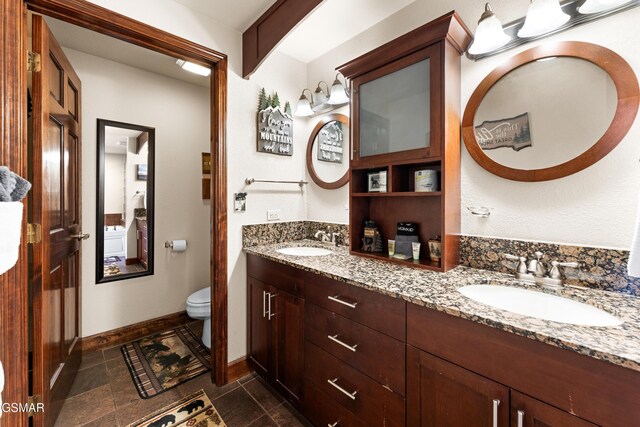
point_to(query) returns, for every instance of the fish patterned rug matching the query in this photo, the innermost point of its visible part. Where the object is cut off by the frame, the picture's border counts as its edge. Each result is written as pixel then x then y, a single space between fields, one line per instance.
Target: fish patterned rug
pixel 195 410
pixel 164 360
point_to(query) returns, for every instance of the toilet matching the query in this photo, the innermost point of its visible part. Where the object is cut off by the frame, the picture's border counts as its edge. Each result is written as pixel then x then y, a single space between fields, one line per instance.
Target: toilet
pixel 199 307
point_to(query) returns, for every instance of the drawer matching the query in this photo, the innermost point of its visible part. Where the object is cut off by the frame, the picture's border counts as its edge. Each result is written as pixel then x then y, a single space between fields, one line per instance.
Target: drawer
pixel 322 410
pixel 377 311
pixel 372 353
pixel 367 399
pixel 281 276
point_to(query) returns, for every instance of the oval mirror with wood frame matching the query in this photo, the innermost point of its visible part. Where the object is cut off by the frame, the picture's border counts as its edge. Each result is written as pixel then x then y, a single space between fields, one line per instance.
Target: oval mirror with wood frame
pixel 328 150
pixel 550 111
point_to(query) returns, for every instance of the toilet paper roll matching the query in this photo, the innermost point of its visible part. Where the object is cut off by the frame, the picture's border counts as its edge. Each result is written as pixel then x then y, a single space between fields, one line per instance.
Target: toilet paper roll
pixel 179 245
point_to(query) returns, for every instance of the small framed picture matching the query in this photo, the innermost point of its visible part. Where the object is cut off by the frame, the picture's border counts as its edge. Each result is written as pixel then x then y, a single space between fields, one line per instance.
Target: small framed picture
pixel 141 172
pixel 377 182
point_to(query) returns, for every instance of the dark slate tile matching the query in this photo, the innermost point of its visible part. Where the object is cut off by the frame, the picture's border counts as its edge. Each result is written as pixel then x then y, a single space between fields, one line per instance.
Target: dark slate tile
pixel 263 393
pixel 286 415
pixel 203 382
pixel 237 408
pixel 109 420
pixel 123 389
pixel 264 421
pixel 91 359
pixel 88 379
pixel 112 353
pixel 86 407
pixel 248 378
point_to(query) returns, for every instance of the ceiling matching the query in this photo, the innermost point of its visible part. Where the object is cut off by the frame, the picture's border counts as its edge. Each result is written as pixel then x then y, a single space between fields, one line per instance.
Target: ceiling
pixel 238 14
pixel 333 23
pixel 116 139
pixel 97 44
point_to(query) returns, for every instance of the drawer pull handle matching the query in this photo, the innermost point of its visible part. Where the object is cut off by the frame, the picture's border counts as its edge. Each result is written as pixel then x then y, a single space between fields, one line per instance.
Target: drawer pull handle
pixel 264 304
pixel 520 418
pixel 338 300
pixel 351 396
pixel 333 424
pixel 335 339
pixel 270 295
pixel 496 403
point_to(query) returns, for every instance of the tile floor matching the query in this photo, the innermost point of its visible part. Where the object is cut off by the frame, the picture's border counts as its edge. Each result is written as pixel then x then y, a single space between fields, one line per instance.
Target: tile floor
pixel 103 394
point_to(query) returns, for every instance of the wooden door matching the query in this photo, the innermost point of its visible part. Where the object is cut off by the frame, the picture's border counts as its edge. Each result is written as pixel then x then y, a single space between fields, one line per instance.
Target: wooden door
pixel 529 412
pixel 55 204
pixel 288 354
pixel 441 394
pixel 259 326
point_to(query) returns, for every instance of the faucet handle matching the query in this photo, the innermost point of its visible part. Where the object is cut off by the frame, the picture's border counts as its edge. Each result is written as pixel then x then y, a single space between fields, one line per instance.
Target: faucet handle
pixel 555 270
pixel 522 262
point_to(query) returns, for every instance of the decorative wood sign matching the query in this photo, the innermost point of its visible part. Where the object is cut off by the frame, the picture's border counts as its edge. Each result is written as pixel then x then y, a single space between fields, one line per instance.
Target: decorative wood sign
pixel 275 125
pixel 330 140
pixel 514 133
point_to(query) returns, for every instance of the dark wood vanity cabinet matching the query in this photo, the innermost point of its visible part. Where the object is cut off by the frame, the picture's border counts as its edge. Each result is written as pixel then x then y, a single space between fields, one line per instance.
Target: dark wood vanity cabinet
pixel 276 319
pixel 456 368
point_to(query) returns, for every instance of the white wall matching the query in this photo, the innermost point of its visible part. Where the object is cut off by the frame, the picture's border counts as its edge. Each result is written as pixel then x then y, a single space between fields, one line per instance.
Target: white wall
pixel 114 183
pixel 180 114
pixel 278 73
pixel 594 207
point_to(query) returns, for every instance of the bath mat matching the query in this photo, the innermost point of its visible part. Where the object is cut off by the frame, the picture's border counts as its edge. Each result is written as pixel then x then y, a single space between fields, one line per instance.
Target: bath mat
pixel 164 360
pixel 111 270
pixel 193 410
pixel 112 259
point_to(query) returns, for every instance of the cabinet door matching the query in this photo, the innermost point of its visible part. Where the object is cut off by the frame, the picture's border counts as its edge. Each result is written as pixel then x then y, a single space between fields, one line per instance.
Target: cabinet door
pixel 441 394
pixel 259 326
pixel 529 412
pixel 288 325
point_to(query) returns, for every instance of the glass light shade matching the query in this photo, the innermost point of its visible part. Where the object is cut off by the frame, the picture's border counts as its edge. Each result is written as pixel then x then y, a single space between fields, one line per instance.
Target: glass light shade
pixel 320 98
pixel 543 16
pixel 303 108
pixel 338 93
pixel 193 68
pixel 597 6
pixel 489 36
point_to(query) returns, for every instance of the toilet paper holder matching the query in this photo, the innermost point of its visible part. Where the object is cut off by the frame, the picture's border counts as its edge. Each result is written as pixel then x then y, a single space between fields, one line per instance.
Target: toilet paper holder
pixel 169 244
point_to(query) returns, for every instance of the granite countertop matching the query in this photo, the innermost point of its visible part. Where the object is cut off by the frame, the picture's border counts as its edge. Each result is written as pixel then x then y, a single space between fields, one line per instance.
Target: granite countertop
pixel 619 345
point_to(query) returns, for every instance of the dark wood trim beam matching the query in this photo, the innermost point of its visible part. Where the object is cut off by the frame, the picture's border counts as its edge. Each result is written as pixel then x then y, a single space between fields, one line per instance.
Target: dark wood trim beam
pixel 219 222
pixel 264 35
pixel 13 153
pixel 105 21
pixel 133 332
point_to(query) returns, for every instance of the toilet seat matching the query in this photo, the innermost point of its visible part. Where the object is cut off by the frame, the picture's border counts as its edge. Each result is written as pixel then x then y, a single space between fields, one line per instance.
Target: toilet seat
pixel 199 298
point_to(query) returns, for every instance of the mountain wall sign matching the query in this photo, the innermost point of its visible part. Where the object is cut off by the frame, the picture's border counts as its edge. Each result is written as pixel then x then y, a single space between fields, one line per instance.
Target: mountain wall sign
pixel 275 125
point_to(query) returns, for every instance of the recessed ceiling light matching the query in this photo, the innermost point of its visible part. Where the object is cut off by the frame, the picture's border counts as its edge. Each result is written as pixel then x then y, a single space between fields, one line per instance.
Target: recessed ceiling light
pixel 194 68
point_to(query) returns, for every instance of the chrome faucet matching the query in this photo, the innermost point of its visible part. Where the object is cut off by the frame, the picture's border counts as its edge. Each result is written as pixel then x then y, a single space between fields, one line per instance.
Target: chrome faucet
pixel 327 236
pixel 535 272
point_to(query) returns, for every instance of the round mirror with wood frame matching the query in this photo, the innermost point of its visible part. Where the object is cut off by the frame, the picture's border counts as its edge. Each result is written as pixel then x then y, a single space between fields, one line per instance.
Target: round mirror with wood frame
pixel 626 108
pixel 313 138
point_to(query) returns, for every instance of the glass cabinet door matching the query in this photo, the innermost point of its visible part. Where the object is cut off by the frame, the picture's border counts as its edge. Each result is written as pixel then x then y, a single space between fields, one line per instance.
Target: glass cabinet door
pixel 394 111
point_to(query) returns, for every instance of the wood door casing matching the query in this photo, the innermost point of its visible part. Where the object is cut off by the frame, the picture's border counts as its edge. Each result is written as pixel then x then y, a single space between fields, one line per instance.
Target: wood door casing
pixel 56 162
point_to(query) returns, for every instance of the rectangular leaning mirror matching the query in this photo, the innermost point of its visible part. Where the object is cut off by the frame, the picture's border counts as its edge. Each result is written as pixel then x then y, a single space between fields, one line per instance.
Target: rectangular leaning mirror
pixel 124 219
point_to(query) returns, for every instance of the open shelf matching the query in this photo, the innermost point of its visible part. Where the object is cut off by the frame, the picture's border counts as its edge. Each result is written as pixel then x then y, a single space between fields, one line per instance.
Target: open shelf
pixel 427 264
pixel 400 194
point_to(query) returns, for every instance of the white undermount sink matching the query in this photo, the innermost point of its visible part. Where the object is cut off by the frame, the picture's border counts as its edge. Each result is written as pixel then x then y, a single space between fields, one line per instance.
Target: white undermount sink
pixel 539 305
pixel 304 251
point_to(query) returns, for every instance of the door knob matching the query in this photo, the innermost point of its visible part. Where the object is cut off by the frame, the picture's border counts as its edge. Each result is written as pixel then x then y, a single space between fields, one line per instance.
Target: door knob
pixel 81 236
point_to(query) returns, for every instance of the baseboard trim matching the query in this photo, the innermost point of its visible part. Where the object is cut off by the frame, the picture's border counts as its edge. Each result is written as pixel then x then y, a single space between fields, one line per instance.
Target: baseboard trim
pixel 238 368
pixel 129 333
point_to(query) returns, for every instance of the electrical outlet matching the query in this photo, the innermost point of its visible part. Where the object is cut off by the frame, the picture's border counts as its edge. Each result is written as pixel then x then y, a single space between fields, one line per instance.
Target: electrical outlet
pixel 273 215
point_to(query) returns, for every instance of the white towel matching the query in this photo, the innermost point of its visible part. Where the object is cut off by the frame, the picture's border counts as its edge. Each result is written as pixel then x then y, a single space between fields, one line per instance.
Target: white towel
pixel 633 266
pixel 10 227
